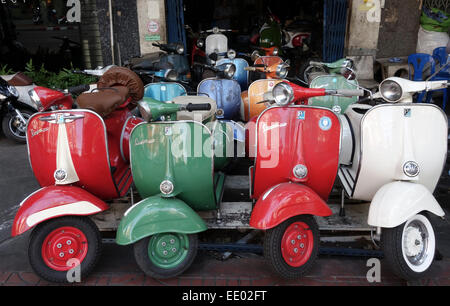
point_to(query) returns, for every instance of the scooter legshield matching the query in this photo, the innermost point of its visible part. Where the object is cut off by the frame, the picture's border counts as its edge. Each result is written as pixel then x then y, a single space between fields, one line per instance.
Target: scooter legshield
pixel 164 92
pixel 54 202
pixel 226 93
pixel 241 76
pixel 297 139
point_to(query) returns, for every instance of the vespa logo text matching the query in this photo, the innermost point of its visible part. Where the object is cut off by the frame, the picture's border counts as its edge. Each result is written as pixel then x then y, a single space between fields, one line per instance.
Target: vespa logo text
pixel 40 131
pixel 374 273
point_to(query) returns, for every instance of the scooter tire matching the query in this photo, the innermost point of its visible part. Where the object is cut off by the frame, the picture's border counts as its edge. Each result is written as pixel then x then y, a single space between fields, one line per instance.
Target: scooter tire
pixel 393 248
pixel 43 231
pixel 275 250
pixel 6 126
pixel 141 254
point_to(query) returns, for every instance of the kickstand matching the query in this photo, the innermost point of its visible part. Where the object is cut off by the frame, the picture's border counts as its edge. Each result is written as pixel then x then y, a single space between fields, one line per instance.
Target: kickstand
pixel 342 210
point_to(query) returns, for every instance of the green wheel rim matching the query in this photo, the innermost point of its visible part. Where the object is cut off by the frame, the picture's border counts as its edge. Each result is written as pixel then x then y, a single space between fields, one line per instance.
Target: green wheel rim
pixel 167 251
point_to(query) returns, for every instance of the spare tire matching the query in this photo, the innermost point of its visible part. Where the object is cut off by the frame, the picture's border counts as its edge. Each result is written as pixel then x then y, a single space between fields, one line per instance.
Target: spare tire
pixel 121 76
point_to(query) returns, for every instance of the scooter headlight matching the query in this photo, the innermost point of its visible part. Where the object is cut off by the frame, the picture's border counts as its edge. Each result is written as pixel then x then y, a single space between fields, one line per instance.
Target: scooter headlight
pixel 300 171
pixel 166 187
pixel 275 52
pixel 171 75
pixel 200 43
pixel 230 70
pixel 231 54
pixel 391 91
pixel 180 49
pixel 13 91
pixel 283 94
pixel 411 169
pixel 145 111
pixel 36 100
pixel 282 70
pixel 216 30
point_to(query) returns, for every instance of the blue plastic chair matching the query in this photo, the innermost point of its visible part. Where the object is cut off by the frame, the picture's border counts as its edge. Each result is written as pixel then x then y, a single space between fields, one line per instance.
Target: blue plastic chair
pixel 440 56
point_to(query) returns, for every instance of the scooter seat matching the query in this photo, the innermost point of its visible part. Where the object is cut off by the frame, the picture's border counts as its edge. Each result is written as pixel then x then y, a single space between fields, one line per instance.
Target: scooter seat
pixel 105 100
pixel 20 79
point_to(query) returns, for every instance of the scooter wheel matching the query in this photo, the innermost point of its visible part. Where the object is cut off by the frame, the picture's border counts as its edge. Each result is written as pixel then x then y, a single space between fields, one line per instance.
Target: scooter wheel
pixel 13 128
pixel 59 245
pixel 292 247
pixel 409 248
pixel 166 255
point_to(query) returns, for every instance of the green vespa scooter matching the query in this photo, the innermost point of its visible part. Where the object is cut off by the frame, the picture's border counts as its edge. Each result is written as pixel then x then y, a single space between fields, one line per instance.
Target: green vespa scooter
pixel 180 154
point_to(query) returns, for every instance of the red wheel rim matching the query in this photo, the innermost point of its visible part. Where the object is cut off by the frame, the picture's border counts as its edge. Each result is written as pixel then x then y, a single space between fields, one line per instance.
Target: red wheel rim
pixel 297 244
pixel 62 246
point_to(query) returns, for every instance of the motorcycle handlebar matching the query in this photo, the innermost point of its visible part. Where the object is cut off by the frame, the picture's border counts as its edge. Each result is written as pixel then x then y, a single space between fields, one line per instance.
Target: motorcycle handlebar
pixel 78 89
pixel 198 107
pixel 315 63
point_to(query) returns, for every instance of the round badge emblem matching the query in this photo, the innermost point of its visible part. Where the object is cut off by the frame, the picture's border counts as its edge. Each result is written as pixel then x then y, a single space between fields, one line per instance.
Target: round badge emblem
pixel 325 124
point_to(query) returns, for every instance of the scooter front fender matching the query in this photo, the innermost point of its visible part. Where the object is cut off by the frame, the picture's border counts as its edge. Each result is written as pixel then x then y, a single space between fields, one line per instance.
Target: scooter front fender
pixel 397 202
pixel 285 201
pixel 157 215
pixel 54 202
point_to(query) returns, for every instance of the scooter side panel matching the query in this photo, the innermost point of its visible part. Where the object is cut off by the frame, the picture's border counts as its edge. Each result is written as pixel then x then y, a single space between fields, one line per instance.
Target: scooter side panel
pixel 333 102
pixel 391 136
pixel 285 201
pixel 179 152
pixel 226 93
pixel 256 93
pixel 53 202
pixel 164 91
pixel 241 76
pixel 292 136
pixel 79 147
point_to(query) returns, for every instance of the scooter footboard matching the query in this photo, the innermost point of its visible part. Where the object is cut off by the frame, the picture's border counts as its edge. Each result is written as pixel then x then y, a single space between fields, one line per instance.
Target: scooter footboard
pixel 285 201
pixel 397 202
pixel 54 202
pixel 157 215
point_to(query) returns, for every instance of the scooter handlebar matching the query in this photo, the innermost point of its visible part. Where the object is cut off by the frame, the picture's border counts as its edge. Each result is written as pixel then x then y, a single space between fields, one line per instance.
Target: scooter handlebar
pixel 78 89
pixel 198 107
pixel 346 92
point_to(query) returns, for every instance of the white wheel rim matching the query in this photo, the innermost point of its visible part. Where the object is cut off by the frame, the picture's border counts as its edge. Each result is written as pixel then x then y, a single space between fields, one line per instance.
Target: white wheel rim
pixel 418 243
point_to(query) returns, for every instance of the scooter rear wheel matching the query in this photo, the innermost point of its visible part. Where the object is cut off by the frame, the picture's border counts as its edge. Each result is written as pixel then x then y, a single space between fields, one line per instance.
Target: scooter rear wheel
pixel 166 255
pixel 292 247
pixel 409 248
pixel 58 245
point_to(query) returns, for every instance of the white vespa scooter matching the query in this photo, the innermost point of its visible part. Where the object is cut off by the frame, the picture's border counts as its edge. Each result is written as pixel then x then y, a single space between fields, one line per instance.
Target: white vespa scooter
pixel 393 156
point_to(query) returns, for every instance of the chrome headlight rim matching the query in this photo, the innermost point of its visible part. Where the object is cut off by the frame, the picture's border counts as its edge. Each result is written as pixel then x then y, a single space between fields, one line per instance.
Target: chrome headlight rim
pixel 411 169
pixel 288 98
pixel 180 49
pixel 282 70
pixel 200 43
pixel 166 187
pixel 275 52
pixel 383 91
pixel 231 54
pixel 145 111
pixel 171 75
pixel 229 70
pixel 35 99
pixel 13 91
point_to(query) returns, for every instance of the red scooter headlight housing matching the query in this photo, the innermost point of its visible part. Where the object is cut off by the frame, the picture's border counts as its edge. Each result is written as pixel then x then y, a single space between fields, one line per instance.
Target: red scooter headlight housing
pixel 283 94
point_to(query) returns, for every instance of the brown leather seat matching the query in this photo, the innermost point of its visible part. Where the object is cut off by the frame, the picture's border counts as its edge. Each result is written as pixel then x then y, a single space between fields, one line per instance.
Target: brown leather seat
pixel 20 79
pixel 105 100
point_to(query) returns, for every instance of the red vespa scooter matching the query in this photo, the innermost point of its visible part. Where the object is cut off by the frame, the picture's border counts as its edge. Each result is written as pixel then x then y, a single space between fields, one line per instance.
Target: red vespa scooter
pixel 80 158
pixel 296 165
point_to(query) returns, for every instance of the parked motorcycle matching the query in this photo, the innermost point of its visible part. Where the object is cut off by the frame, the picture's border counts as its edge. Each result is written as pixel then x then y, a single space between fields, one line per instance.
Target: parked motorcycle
pixel 314 69
pixel 80 158
pixel 15 107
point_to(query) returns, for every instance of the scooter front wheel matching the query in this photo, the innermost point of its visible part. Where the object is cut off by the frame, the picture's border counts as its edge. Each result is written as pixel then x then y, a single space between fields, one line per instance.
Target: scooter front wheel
pixel 14 128
pixel 166 255
pixel 410 248
pixel 292 247
pixel 60 245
